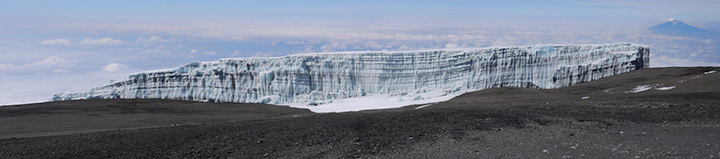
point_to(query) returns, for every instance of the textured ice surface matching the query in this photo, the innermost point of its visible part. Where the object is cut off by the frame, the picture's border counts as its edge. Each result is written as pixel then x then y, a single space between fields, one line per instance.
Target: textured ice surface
pixel 403 77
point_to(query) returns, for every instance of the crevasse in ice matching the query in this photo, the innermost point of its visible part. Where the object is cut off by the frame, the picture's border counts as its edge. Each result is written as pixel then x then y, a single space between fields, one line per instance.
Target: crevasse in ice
pixel 320 77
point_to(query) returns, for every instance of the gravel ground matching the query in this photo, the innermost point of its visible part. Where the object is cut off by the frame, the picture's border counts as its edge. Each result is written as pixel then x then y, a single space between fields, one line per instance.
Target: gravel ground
pixel 683 122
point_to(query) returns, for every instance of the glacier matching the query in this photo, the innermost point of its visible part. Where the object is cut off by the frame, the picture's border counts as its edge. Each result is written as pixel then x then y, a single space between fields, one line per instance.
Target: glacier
pixel 321 81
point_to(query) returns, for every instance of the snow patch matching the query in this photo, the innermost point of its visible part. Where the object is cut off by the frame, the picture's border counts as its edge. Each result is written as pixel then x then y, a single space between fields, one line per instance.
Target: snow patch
pixel 585 97
pixel 423 106
pixel 681 81
pixel 609 90
pixel 710 72
pixel 639 89
pixel 377 101
pixel 665 88
pixel 643 88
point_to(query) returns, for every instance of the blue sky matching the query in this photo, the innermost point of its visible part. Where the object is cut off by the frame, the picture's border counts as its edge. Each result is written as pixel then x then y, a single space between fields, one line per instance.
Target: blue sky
pixel 52 46
pixel 701 9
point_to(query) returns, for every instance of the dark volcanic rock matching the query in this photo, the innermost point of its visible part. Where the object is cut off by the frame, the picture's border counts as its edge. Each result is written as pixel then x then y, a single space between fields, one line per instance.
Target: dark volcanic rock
pixel 506 122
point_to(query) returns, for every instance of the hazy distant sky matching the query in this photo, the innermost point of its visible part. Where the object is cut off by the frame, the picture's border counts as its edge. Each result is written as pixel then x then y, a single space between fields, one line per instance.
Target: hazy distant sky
pixel 687 9
pixel 52 46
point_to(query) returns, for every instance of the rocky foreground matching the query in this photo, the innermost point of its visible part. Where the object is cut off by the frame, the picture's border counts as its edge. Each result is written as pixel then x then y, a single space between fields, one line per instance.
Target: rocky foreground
pixel 648 113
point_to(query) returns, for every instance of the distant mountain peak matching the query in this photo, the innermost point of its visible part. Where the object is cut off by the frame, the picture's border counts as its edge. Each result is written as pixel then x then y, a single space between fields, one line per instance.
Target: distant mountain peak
pixel 677 23
pixel 674 27
pixel 674 21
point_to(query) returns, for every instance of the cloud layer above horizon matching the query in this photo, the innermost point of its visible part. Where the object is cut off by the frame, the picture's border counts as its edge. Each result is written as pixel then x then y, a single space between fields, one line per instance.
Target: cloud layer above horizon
pixel 42 53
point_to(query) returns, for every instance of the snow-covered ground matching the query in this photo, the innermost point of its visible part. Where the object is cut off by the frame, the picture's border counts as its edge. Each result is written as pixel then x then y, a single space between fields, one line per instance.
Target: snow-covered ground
pixel 379 101
pixel 660 87
pixel 665 88
pixel 640 88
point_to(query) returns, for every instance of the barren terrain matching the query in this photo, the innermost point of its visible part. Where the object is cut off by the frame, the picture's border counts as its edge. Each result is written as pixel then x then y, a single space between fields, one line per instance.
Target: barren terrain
pixel 676 116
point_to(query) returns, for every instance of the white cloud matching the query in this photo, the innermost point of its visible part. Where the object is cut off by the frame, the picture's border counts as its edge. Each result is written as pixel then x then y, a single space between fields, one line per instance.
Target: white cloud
pixel 101 41
pixel 158 50
pixel 236 53
pixel 294 42
pixel 52 60
pixel 56 42
pixel 49 61
pixel 61 71
pixel 195 52
pixel 665 61
pixel 112 67
pixel 336 45
pixel 265 54
pixel 308 48
pixel 451 45
pixel 6 67
pixel 51 64
pixel 44 86
pixel 156 39
pixel 373 45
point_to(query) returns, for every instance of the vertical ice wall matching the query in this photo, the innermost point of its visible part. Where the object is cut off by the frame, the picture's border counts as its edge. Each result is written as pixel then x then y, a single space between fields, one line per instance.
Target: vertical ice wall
pixel 309 78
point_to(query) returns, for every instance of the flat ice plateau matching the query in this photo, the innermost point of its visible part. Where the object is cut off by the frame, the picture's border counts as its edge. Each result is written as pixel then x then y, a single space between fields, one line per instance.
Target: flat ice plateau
pixel 351 81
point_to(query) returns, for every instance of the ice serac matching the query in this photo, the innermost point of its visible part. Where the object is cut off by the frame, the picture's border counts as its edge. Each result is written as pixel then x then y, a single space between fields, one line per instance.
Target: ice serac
pixel 317 78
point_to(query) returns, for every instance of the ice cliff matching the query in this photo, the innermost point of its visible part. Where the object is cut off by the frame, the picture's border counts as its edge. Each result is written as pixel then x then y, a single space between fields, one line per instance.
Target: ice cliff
pixel 321 78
